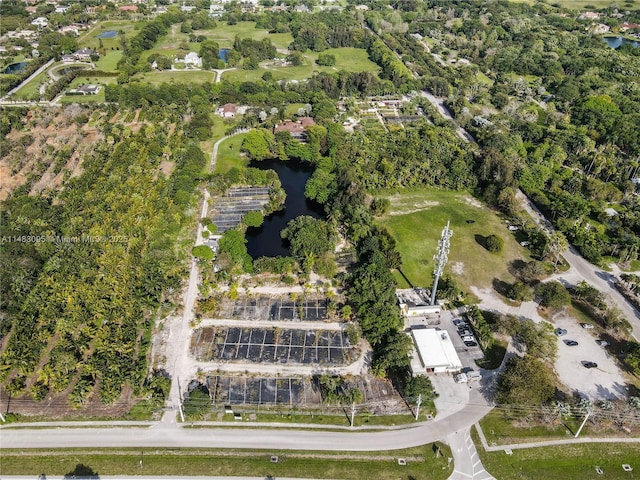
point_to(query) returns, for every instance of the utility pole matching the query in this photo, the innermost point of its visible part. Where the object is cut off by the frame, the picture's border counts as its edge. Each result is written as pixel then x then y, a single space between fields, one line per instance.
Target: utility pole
pixel 419 403
pixel 583 422
pixel 353 412
pixel 440 258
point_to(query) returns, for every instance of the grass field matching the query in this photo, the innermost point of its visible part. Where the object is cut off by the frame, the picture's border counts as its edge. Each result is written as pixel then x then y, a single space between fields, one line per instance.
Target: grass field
pixel 568 462
pixel 349 59
pixel 422 463
pixel 229 155
pixel 32 88
pixel 416 220
pixel 89 40
pixel 109 61
pixel 176 76
pixel 225 34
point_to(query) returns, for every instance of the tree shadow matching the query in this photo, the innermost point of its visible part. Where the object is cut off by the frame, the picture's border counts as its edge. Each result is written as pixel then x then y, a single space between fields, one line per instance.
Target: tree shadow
pixel 82 471
pixel 501 286
pixel 515 267
pixel 481 240
pixel 405 278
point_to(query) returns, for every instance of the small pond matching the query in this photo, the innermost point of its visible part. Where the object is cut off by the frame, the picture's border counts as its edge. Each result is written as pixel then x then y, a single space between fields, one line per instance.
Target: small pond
pixel 223 53
pixel 15 67
pixel 616 42
pixel 265 241
pixel 108 34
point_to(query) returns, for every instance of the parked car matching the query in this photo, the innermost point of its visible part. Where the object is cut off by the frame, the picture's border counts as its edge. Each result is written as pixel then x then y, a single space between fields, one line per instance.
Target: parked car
pixel 586 325
pixel 602 343
pixel 468 338
pixel 459 322
pixel 571 343
pixel 464 333
pixel 590 365
pixel 560 332
pixel 470 344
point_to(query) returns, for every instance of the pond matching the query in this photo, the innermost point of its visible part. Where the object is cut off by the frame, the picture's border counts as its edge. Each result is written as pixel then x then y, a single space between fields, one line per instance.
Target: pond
pixel 108 34
pixel 15 67
pixel 223 53
pixel 265 241
pixel 616 42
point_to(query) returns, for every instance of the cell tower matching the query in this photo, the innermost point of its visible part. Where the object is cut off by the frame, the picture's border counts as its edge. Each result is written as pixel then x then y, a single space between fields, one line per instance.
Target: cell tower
pixel 440 258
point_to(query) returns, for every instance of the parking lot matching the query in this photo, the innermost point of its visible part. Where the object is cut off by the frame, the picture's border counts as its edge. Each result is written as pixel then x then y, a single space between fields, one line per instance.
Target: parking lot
pixel 603 382
pixel 468 355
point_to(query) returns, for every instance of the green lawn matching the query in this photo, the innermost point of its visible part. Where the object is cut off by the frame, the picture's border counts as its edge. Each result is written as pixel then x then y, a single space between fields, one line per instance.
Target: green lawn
pixel 568 462
pixel 229 155
pixel 109 61
pixel 225 34
pixel 89 40
pixel 176 76
pixel 32 89
pixel 416 220
pixel 349 59
pixel 422 463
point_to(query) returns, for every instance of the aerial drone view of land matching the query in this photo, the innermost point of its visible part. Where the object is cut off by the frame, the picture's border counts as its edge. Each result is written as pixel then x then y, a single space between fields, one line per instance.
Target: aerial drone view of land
pixel 320 240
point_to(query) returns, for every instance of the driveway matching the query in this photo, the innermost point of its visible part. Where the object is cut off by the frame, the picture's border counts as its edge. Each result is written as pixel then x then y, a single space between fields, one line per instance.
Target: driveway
pixel 602 383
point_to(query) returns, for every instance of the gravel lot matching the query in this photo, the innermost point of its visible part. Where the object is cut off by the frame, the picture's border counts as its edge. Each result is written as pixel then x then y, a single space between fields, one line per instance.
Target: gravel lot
pixel 604 382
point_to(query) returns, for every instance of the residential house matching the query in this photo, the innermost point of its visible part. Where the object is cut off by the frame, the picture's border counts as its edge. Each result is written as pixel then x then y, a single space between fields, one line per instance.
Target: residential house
pixel 228 110
pixel 84 54
pixel 61 8
pixel 129 8
pixel 85 90
pixel 40 22
pixel 192 60
pixel 297 129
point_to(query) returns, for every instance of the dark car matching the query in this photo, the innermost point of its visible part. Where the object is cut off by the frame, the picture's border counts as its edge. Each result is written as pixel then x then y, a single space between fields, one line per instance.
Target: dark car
pixel 602 343
pixel 465 332
pixel 471 344
pixel 571 343
pixel 560 331
pixel 458 321
pixel 590 365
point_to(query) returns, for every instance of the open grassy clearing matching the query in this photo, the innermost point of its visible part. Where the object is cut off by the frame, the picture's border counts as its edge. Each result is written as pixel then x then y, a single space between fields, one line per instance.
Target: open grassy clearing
pixel 348 59
pixel 568 462
pixel 109 61
pixel 225 34
pixel 88 39
pixel 416 220
pixel 229 155
pixel 177 76
pixel 421 464
pixel 32 88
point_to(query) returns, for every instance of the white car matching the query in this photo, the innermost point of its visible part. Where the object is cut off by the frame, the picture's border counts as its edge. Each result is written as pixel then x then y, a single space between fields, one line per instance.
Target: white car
pixel 586 325
pixel 468 338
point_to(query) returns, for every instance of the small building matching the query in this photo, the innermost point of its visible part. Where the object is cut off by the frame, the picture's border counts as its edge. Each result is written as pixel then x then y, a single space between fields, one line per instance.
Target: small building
pixel 192 59
pixel 228 110
pixel 215 10
pixel 62 9
pixel 415 302
pixel 69 29
pixel 434 352
pixel 187 8
pixel 128 8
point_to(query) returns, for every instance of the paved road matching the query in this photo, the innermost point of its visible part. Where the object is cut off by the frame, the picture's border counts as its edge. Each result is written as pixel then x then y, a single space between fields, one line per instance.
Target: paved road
pixel 32 76
pixel 580 269
pixel 468 464
pixel 166 434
